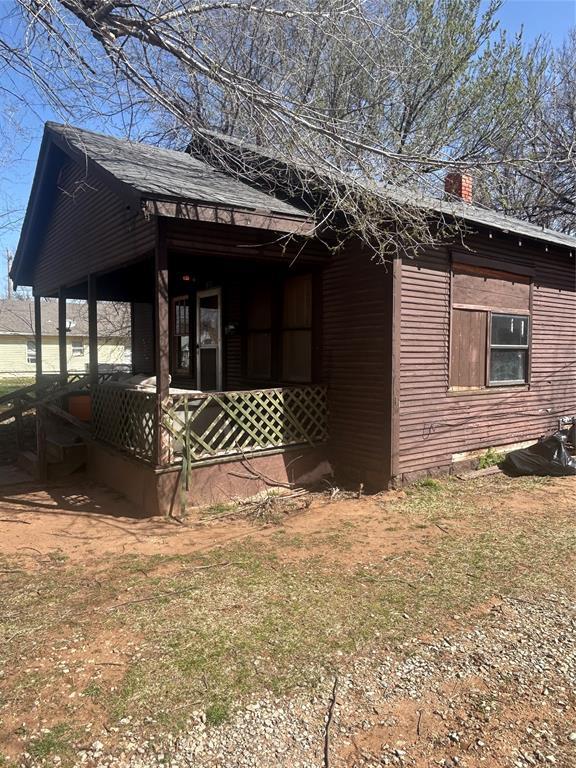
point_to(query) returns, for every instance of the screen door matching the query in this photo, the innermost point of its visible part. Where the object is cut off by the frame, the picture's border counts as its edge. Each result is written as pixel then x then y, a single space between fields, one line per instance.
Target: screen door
pixel 209 340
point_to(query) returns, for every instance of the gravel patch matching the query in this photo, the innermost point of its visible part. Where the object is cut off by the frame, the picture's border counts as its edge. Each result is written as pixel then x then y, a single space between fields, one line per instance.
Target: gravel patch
pixel 500 694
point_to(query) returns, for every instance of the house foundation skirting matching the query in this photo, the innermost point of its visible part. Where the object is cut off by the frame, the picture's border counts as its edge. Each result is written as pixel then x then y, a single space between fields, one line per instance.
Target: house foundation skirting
pixel 460 462
pixel 158 492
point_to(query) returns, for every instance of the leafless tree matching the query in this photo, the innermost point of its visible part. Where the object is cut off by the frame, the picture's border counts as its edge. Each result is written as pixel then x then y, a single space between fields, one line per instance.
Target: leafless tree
pixel 544 192
pixel 342 97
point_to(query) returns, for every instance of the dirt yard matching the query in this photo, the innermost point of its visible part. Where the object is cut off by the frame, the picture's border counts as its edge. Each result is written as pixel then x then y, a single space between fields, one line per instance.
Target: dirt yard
pixel 445 614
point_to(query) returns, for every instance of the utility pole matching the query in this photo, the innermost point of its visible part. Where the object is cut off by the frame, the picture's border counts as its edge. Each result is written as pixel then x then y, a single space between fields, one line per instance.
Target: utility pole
pixel 9 259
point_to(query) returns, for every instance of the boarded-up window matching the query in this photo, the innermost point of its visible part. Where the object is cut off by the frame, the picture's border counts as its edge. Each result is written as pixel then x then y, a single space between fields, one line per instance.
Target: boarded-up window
pixel 468 365
pixel 297 329
pixel 259 333
pixel 488 301
pixel 489 289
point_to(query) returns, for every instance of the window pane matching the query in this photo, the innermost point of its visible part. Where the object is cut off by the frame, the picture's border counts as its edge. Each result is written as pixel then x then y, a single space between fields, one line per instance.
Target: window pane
pixel 183 352
pixel 507 365
pixel 31 352
pixel 510 330
pixel 209 317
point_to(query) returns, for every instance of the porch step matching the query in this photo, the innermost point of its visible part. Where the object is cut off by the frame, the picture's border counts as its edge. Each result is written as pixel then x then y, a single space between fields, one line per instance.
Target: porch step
pixel 65 451
pixel 62 460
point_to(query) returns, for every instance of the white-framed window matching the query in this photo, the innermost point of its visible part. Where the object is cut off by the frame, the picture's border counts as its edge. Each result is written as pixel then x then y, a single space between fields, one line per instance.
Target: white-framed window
pixel 78 347
pixel 509 344
pixel 31 351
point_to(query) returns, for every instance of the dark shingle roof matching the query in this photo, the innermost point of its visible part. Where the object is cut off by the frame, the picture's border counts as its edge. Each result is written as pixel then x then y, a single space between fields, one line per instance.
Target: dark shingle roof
pixel 483 216
pixel 455 208
pixel 164 174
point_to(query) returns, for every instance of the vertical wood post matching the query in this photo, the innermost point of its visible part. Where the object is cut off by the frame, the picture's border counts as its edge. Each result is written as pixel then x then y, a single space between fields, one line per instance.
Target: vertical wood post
pixel 396 309
pixel 38 336
pixel 93 331
pixel 162 346
pixel 40 426
pixel 62 337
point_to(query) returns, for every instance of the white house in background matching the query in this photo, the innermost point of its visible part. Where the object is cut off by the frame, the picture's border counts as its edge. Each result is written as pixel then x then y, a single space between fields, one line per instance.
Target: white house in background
pixel 18 346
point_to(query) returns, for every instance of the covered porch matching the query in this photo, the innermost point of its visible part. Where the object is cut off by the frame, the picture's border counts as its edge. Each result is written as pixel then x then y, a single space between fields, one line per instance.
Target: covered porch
pixel 261 355
pixel 226 394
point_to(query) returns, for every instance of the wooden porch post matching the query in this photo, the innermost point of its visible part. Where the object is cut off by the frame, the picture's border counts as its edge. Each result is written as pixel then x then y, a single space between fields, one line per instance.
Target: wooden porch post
pixel 62 337
pixel 93 331
pixel 40 416
pixel 162 345
pixel 38 336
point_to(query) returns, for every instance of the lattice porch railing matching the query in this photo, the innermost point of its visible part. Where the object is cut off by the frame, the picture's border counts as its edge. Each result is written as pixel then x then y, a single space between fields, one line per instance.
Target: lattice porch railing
pixel 126 419
pixel 239 423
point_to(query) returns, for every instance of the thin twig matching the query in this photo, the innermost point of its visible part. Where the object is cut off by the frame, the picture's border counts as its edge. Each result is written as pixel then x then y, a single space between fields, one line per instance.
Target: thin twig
pixel 329 722
pixel 444 530
pixel 7 520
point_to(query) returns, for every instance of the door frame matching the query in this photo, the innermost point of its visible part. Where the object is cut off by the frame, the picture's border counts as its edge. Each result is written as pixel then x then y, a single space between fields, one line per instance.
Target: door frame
pixel 200 295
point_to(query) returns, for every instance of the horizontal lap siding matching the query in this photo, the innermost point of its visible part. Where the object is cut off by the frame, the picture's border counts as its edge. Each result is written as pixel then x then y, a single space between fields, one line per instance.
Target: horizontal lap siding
pixel 356 333
pixel 434 424
pixel 90 230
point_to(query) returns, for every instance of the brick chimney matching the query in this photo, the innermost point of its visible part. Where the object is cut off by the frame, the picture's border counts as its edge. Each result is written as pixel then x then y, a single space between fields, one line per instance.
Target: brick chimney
pixel 458 184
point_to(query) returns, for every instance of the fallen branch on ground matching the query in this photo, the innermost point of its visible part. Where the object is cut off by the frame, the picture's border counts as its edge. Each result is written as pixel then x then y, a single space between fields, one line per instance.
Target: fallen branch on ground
pixel 329 722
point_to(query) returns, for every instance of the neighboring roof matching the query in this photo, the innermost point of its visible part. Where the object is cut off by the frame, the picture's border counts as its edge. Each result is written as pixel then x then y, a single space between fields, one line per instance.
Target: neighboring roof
pixel 17 318
pixel 165 174
pixel 455 207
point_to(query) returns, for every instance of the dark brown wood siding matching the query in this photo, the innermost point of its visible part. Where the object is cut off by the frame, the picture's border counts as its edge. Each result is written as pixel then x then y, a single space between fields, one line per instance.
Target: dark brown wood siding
pixel 352 330
pixel 436 423
pixel 143 337
pixel 90 230
pixel 356 364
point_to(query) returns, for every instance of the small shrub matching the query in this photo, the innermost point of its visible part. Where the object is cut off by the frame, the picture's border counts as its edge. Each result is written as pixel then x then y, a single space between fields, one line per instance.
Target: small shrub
pixel 490 459
pixel 92 690
pixel 217 713
pixel 430 482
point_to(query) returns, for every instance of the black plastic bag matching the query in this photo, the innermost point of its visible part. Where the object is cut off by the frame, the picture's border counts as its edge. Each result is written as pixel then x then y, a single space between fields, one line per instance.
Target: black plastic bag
pixel 548 457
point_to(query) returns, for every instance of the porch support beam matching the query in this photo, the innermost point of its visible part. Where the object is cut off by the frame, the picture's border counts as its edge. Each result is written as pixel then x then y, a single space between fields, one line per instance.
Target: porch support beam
pixel 62 336
pixel 162 340
pixel 238 217
pixel 93 331
pixel 38 335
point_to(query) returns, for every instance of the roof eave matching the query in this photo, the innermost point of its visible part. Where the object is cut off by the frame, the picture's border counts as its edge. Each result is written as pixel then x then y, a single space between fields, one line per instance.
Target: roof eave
pixel 222 214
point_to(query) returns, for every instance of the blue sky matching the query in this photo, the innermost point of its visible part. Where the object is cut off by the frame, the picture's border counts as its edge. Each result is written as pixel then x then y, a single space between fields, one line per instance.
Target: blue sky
pixel 551 18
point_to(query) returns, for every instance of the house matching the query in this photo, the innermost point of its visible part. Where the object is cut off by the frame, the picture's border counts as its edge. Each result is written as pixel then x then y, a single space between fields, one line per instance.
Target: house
pixel 18 341
pixel 263 356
